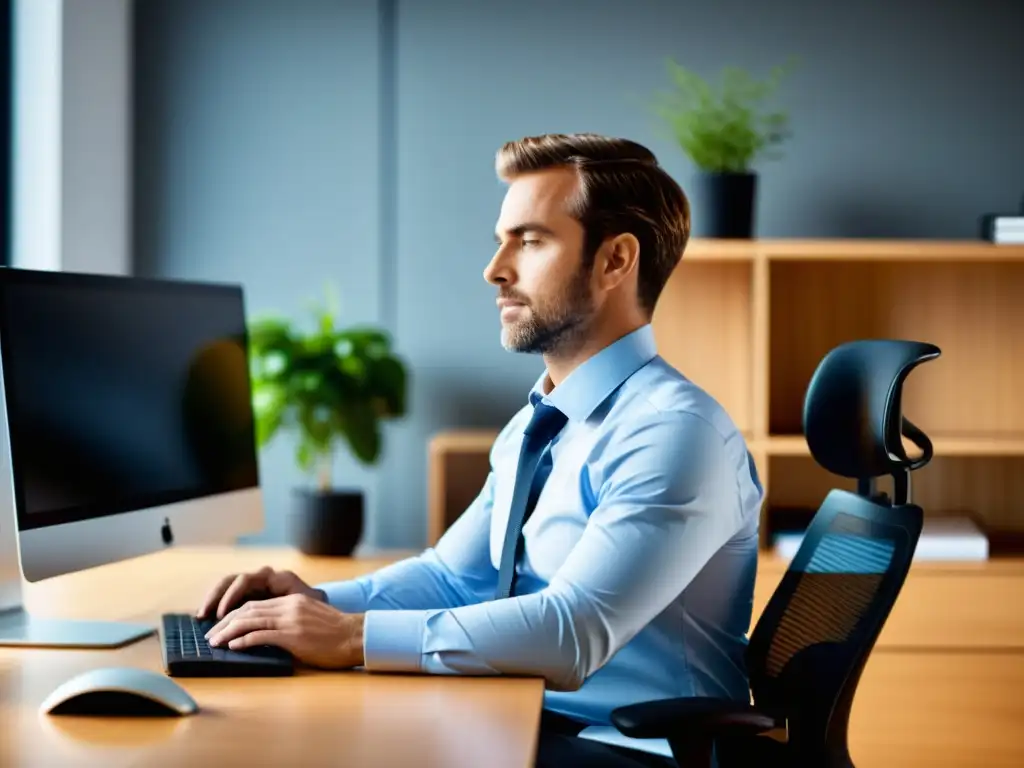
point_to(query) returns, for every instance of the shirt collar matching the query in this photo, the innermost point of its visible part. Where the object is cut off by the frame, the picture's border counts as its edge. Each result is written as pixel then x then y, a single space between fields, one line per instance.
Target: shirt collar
pixel 592 381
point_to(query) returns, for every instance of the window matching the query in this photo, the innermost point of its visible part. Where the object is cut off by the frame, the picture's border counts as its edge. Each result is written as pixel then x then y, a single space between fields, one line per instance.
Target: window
pixel 6 128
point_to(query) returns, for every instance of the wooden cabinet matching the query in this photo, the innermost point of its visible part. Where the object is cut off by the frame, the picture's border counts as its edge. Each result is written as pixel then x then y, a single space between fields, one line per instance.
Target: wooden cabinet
pixel 939 709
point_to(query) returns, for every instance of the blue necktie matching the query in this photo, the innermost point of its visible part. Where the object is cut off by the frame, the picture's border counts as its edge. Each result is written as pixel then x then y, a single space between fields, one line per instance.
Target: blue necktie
pixel 531 475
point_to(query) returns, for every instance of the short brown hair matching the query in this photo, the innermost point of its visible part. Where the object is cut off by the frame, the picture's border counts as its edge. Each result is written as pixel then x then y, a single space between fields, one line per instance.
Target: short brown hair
pixel 622 188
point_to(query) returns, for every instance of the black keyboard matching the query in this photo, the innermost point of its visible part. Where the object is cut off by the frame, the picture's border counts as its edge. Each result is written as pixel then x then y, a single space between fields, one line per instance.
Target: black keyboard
pixel 187 654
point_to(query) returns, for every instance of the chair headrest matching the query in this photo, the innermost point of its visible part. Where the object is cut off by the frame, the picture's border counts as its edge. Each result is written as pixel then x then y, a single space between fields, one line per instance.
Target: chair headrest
pixel 853 419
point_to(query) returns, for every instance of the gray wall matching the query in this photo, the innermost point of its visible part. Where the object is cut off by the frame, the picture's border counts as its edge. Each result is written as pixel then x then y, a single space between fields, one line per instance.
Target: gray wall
pixel 256 161
pixel 260 130
pixel 95 122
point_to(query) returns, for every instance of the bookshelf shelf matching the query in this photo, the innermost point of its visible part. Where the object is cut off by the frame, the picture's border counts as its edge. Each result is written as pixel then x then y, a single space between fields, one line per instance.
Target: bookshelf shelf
pixel 853 250
pixel 943 446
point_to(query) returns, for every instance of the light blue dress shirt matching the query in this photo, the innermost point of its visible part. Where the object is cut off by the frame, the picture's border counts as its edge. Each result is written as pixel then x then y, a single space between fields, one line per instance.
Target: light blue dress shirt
pixel 637 577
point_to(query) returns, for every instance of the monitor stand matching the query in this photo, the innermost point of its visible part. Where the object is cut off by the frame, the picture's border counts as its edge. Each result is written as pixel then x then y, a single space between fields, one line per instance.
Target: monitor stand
pixel 20 628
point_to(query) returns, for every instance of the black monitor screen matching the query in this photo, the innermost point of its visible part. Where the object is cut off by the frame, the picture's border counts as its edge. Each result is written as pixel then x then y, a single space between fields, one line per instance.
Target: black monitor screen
pixel 122 393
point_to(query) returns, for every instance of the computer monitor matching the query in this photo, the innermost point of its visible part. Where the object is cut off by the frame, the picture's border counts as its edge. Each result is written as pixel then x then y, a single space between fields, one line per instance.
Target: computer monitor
pixel 127 427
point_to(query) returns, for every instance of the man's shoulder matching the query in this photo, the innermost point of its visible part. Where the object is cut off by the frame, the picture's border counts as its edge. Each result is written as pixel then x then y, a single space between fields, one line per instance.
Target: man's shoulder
pixel 658 398
pixel 665 436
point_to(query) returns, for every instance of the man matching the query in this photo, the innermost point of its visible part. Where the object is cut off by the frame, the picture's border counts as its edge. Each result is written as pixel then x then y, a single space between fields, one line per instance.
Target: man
pixel 633 577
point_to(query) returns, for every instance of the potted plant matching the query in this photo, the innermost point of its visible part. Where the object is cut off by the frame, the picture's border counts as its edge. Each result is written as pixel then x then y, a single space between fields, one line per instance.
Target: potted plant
pixel 723 131
pixel 333 387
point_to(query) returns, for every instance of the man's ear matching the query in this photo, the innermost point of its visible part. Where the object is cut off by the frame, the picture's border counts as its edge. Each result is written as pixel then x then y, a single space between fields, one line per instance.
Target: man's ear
pixel 619 258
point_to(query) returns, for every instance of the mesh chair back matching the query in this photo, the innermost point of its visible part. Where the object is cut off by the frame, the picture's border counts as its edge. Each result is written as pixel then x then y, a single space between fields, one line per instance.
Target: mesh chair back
pixel 809 647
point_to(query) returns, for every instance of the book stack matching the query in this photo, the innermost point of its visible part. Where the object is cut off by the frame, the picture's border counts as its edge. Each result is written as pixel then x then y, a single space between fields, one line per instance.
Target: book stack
pixel 1003 227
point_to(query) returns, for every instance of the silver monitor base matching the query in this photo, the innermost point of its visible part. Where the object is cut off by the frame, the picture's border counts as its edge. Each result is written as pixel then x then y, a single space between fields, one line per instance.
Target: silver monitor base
pixel 19 628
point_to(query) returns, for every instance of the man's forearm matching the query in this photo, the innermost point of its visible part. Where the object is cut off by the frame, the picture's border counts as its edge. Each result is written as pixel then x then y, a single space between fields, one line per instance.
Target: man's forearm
pixel 539 634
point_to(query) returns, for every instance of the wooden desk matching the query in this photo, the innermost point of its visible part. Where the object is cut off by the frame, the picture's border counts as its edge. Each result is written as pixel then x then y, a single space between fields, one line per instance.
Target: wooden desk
pixel 315 718
pixel 941 689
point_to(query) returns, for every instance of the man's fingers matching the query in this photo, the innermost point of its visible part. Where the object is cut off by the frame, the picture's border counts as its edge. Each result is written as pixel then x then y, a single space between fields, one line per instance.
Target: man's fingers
pixel 244 583
pixel 261 637
pixel 237 587
pixel 231 590
pixel 242 625
pixel 281 582
pixel 270 607
pixel 228 618
pixel 274 602
pixel 213 596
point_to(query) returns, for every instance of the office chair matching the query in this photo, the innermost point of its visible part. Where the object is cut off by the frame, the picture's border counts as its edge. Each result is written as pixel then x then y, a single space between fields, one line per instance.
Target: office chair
pixel 810 645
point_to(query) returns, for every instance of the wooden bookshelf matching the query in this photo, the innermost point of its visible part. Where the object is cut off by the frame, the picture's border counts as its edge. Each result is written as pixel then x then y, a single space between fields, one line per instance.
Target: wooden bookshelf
pixel 750 320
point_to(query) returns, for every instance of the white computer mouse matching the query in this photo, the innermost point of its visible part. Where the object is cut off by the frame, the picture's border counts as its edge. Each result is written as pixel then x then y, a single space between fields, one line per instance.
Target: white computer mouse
pixel 119 692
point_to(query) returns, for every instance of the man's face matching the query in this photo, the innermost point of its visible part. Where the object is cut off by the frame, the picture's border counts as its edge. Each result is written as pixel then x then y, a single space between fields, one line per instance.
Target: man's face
pixel 544 293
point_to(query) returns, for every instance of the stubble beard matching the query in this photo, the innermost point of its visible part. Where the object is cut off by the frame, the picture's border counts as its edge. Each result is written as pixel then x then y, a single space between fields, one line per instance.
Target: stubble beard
pixel 554 332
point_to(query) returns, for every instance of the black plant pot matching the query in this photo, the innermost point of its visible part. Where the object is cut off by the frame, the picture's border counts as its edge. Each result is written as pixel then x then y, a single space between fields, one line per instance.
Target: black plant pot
pixel 727 203
pixel 328 523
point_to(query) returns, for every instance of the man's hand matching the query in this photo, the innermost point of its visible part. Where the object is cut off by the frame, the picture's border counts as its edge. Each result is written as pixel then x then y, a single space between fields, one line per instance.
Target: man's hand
pixel 314 632
pixel 232 590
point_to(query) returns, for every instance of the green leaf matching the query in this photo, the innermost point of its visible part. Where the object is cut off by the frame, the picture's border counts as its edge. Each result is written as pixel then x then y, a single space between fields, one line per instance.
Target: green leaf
pixel 269 406
pixel 390 382
pixel 362 431
pixel 305 456
pixel 269 333
pixel 317 426
pixel 354 367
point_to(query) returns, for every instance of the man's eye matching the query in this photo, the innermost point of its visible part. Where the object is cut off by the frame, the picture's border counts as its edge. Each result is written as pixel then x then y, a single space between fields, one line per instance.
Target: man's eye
pixel 529 243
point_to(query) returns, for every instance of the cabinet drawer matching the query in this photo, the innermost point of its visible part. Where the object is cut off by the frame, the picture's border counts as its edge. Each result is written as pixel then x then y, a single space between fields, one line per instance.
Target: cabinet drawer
pixel 933 709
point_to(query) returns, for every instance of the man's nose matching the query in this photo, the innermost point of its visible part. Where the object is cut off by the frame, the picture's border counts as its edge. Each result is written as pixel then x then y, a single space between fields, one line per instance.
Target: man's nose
pixel 498 271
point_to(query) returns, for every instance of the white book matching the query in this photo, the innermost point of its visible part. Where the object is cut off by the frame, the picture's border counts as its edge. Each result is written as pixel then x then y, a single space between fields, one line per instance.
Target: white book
pixel 942 538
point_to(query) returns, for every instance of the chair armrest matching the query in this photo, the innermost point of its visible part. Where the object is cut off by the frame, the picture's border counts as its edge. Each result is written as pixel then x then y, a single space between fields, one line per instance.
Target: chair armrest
pixel 692 718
